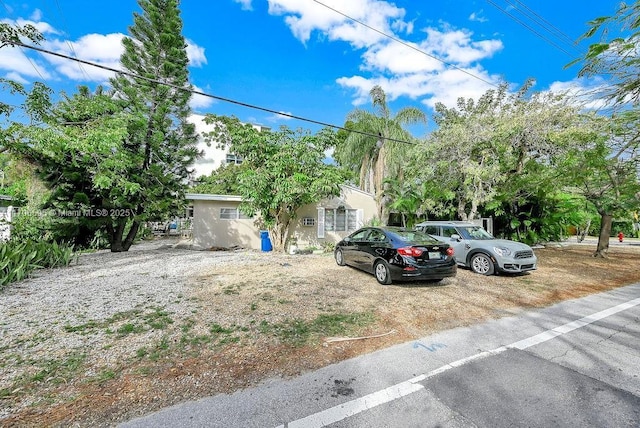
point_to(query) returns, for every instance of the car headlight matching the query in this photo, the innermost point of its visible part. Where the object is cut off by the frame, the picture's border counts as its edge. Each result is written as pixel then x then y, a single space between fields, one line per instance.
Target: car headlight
pixel 502 251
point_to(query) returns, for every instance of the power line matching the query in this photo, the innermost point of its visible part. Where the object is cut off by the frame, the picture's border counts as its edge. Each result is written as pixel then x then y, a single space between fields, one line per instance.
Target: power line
pixel 402 42
pixel 73 50
pixel 553 29
pixel 25 55
pixel 204 94
pixel 528 27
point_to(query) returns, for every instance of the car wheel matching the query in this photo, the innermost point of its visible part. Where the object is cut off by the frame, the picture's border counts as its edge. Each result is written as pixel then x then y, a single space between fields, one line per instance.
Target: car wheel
pixel 339 257
pixel 482 264
pixel 382 273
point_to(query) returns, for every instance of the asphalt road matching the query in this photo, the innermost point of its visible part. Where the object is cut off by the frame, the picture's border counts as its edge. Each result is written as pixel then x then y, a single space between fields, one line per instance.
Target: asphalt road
pixel 575 364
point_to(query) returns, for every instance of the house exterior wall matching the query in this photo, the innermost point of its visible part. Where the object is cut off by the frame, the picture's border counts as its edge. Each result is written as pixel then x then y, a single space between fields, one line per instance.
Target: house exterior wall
pixel 213 157
pixel 209 230
pixel 318 234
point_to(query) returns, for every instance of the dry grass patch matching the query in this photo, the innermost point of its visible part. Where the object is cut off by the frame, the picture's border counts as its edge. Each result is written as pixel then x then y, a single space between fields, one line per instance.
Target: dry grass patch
pixel 268 315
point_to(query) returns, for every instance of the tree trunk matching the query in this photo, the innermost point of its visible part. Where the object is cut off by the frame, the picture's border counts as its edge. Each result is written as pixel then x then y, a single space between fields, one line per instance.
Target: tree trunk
pixel 605 232
pixel 131 236
pixel 583 234
pixel 115 236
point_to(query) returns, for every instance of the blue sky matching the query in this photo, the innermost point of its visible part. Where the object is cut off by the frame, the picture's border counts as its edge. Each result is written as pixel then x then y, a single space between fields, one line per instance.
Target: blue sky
pixel 302 58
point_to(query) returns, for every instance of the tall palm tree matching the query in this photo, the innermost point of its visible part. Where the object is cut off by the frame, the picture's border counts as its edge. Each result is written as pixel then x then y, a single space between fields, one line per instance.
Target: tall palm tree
pixel 377 158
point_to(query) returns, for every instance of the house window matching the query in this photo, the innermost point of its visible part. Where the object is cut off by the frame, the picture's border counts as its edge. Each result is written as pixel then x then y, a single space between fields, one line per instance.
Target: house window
pixel 308 221
pixel 233 158
pixel 340 220
pixel 232 214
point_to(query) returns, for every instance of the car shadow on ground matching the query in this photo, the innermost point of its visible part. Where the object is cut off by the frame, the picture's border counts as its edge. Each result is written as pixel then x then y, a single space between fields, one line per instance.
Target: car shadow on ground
pixel 424 284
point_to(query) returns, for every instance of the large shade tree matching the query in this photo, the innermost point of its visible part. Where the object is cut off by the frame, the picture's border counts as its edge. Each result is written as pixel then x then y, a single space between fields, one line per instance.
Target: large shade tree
pixel 613 164
pixel 156 89
pixel 371 152
pixel 482 148
pixel 128 151
pixel 282 171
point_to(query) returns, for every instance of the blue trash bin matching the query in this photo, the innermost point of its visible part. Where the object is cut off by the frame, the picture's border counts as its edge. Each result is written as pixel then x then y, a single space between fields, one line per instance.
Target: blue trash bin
pixel 266 242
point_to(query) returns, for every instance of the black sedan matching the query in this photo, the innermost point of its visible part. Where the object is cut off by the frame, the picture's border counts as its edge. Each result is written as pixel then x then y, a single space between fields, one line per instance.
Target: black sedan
pixel 396 254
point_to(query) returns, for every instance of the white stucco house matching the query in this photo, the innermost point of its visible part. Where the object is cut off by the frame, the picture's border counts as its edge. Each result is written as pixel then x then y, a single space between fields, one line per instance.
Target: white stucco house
pixel 218 222
pixel 213 157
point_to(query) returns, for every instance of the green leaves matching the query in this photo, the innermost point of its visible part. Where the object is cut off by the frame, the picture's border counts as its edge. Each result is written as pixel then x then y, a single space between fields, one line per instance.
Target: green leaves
pixel 18 259
pixel 282 170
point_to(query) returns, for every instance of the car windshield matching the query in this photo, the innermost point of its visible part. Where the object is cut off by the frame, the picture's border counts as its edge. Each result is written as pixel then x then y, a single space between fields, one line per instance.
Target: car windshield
pixel 475 232
pixel 414 237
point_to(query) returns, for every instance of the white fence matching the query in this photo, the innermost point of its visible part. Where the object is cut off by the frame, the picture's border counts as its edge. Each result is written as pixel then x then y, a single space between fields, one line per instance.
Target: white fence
pixel 6 213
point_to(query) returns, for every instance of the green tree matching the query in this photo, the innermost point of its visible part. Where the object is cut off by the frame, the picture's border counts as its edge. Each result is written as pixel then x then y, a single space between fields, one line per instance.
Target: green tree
pixel 605 170
pixel 495 153
pixel 128 151
pixel 406 199
pixel 613 164
pixel 284 170
pixel 79 152
pixel 222 181
pixel 616 57
pixel 156 92
pixel 375 157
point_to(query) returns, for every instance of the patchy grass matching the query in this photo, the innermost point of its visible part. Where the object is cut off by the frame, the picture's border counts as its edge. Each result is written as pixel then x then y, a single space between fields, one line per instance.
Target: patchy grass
pixel 269 316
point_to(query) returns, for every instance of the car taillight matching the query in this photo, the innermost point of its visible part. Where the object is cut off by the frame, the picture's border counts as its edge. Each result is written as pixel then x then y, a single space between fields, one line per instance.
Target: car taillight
pixel 410 251
pixel 450 251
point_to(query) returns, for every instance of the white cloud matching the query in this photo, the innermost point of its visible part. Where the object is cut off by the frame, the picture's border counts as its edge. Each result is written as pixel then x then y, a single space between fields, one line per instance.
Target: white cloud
pixel 426 68
pixel 195 54
pixel 42 27
pixel 16 77
pixel 103 49
pixel 305 17
pixel 246 4
pixel 200 101
pixel 14 60
pixel 442 86
pixel 587 92
pixel 279 117
pixel 97 48
pixel 456 46
pixel 36 15
pixel 477 17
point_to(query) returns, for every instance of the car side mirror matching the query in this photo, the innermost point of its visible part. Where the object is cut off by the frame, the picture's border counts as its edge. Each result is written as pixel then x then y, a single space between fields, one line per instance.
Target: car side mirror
pixel 347 239
pixel 455 237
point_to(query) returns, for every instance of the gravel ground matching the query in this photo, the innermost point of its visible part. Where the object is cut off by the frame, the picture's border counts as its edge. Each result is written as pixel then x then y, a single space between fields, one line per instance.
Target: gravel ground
pixel 40 318
pixel 117 335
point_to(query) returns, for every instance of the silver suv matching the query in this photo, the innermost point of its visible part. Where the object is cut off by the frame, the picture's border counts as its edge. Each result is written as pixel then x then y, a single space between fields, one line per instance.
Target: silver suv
pixel 478 250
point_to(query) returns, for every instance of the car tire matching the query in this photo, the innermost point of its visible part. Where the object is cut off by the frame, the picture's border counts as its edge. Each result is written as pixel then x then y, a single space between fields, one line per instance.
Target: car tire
pixel 339 257
pixel 382 273
pixel 482 264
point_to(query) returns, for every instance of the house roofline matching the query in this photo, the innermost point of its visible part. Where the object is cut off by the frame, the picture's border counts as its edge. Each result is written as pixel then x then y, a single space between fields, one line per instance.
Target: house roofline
pixel 210 197
pixel 6 198
pixel 356 189
pixel 237 198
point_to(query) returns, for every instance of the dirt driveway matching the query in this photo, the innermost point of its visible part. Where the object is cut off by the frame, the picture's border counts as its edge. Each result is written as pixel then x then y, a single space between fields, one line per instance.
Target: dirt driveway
pixel 120 335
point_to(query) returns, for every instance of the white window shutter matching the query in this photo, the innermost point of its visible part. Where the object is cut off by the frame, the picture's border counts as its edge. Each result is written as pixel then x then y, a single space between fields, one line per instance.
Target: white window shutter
pixel 320 222
pixel 359 218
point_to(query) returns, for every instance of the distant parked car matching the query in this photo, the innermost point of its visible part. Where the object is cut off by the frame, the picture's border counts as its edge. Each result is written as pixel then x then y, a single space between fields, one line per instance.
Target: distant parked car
pixel 478 250
pixel 396 254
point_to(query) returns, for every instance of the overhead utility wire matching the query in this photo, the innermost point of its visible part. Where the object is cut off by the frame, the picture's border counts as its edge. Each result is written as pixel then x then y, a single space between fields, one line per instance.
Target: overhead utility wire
pixel 204 94
pixel 402 42
pixel 69 43
pixel 28 59
pixel 528 27
pixel 549 26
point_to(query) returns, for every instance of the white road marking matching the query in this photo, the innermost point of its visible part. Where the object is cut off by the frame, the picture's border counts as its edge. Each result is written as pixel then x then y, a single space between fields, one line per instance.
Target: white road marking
pixel 353 407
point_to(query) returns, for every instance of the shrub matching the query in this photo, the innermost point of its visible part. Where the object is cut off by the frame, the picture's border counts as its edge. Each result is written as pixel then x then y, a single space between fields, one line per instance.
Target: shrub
pixel 18 259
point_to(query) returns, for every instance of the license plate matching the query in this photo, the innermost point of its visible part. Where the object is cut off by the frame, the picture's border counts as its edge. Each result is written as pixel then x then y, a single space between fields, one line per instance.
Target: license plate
pixel 434 255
